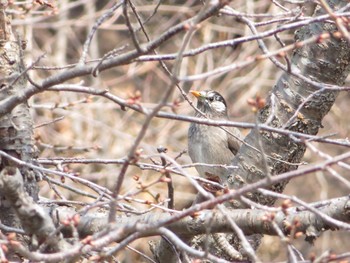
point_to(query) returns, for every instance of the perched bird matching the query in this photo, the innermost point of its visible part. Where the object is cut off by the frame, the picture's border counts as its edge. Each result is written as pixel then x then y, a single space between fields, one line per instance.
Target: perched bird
pixel 212 144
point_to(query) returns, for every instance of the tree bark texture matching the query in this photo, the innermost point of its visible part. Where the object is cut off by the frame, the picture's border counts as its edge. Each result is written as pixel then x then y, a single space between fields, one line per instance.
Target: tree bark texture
pixel 16 127
pixel 34 220
pixel 324 62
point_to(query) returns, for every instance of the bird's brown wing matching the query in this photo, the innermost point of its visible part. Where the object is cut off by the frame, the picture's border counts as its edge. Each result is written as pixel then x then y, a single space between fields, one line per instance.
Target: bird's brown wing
pixel 234 140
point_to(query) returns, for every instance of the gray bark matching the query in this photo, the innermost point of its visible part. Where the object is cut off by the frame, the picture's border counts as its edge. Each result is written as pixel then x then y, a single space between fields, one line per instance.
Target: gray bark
pixel 323 62
pixel 16 127
pixel 33 218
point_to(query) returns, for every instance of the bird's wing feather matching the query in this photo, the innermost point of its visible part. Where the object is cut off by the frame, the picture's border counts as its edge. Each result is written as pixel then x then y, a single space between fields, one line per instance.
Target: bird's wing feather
pixel 234 142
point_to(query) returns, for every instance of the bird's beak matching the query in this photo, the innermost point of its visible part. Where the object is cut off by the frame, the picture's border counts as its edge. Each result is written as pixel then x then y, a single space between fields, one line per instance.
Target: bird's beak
pixel 195 93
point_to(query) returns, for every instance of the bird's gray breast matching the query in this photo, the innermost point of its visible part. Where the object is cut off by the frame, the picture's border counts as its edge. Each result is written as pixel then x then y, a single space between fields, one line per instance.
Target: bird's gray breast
pixel 209 144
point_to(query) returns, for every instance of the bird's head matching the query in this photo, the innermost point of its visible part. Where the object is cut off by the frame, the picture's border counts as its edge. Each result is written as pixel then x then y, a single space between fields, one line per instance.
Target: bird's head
pixel 210 103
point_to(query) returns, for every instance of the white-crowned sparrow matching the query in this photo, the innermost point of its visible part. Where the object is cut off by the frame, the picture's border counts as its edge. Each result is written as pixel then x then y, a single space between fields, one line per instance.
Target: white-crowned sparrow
pixel 211 144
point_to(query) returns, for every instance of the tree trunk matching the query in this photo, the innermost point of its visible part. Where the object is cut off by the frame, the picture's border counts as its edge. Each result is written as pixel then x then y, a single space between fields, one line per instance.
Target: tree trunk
pixel 325 62
pixel 16 127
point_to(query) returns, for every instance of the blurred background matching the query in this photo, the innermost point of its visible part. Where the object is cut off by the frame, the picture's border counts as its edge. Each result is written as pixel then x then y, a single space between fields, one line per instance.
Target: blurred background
pixel 91 127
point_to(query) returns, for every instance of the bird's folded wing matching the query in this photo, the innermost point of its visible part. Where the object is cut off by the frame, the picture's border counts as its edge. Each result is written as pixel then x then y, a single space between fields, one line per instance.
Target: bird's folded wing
pixel 234 140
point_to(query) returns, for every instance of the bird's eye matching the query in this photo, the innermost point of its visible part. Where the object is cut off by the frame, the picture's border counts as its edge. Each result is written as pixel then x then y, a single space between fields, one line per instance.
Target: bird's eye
pixel 211 99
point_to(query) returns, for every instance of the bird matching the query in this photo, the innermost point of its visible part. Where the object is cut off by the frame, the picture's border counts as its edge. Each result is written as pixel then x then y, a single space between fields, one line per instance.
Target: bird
pixel 212 144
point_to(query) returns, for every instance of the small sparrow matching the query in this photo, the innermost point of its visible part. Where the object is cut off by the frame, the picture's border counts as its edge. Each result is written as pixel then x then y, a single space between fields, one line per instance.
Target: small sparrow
pixel 212 144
